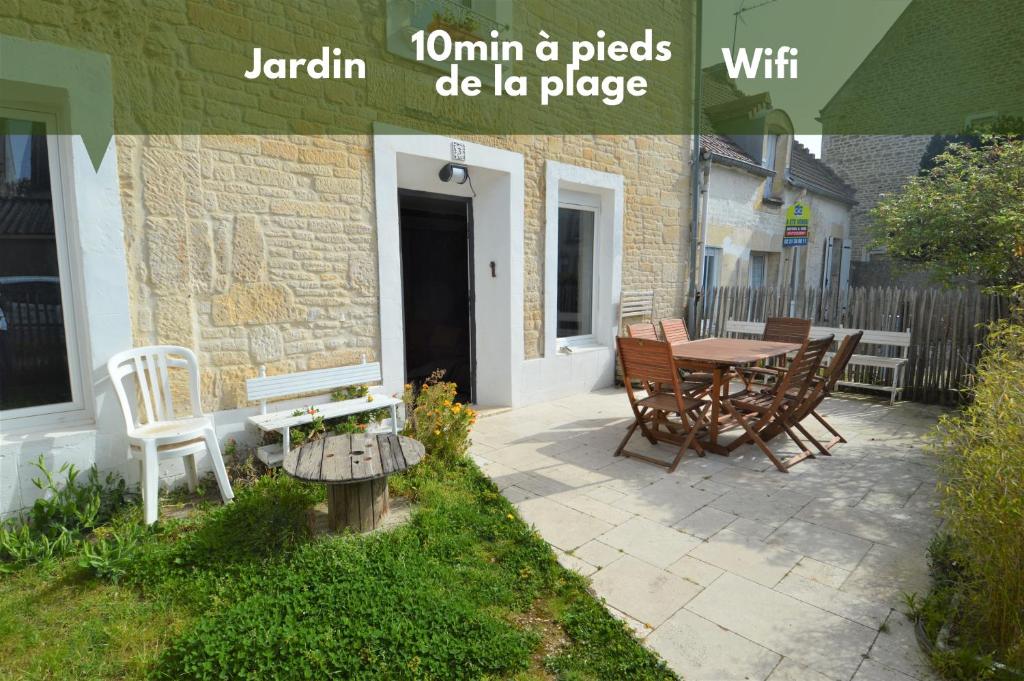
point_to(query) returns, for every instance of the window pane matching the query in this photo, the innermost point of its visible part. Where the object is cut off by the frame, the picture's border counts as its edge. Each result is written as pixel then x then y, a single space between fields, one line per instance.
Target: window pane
pixel 711 264
pixel 575 272
pixel 33 349
pixel 757 270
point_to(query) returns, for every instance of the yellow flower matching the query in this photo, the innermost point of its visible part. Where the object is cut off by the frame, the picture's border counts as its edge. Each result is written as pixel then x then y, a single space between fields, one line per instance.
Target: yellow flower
pixel 511 517
pixel 437 432
pixel 369 398
pixel 457 408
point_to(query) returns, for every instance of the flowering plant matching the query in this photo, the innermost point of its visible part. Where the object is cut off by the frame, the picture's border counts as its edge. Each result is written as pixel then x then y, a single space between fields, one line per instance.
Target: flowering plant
pixel 437 420
pixel 319 427
pixel 311 431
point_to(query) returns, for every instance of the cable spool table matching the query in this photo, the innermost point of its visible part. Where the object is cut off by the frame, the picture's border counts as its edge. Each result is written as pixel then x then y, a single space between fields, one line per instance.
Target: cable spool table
pixel 355 469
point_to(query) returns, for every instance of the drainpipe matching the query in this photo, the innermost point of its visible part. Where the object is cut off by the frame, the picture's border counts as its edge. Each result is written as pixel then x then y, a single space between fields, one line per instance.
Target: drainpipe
pixel 695 179
pixel 702 228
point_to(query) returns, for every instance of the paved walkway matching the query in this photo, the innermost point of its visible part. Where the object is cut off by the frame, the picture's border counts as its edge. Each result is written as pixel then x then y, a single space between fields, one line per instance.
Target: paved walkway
pixel 728 568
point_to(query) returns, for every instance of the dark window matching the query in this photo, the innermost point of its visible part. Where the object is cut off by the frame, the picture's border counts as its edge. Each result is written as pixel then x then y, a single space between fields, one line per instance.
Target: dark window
pixel 575 272
pixel 33 343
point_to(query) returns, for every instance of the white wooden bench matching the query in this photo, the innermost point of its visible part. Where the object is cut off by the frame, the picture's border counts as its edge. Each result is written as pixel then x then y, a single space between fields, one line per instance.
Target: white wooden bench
pixel 264 388
pixel 899 340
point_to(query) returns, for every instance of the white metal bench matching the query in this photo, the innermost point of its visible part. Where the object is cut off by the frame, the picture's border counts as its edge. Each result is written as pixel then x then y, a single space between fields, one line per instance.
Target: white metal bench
pixel 264 388
pixel 900 340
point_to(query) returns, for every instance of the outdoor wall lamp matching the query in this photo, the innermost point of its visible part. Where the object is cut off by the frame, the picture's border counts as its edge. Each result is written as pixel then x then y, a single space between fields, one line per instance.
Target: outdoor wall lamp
pixel 452 172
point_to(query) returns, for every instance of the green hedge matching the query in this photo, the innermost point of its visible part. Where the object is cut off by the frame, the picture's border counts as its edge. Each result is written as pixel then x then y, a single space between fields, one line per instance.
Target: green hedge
pixel 982 451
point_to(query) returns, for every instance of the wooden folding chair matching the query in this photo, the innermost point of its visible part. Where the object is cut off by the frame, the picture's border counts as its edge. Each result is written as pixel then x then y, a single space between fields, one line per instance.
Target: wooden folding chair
pixel 756 411
pixel 690 386
pixel 651 365
pixel 674 331
pixel 777 330
pixel 642 330
pixel 786 329
pixel 821 387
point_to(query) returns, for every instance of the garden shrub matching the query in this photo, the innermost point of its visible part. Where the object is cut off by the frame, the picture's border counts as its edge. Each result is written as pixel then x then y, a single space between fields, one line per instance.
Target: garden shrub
pixel 982 452
pixel 58 522
pixel 268 518
pixel 437 420
pixel 114 551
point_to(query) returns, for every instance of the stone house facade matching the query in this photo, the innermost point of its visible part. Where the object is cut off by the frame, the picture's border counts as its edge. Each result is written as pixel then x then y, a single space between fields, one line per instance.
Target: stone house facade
pixel 749 181
pixel 264 251
pixel 285 251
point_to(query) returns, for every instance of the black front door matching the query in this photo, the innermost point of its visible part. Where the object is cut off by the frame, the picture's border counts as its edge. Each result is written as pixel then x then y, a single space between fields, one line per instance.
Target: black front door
pixel 437 288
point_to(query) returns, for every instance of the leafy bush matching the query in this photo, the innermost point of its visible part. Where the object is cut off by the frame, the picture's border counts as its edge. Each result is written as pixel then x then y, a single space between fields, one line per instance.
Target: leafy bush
pixel 114 552
pixel 57 522
pixel 268 518
pixel 437 420
pixel 963 218
pixel 982 451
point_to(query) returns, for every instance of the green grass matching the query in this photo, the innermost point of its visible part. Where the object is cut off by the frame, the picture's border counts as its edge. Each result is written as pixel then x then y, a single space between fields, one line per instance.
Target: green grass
pixel 464 590
pixel 63 628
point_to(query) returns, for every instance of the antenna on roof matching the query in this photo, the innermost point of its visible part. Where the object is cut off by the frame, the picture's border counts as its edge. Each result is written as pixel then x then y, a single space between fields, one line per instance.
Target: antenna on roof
pixel 738 17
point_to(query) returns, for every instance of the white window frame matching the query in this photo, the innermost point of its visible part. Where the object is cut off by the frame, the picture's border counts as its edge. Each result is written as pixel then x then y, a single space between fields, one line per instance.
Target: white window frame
pixel 763 257
pixel 69 83
pixel 65 233
pixel 715 253
pixel 590 203
pixel 570 184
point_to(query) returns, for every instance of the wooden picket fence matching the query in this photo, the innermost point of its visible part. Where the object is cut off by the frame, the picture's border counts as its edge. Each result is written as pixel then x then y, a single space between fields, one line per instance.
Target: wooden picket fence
pixel 947 325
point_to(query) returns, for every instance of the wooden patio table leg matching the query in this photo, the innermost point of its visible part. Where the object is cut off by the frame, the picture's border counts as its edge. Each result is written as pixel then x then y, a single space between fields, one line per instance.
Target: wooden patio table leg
pixel 717 390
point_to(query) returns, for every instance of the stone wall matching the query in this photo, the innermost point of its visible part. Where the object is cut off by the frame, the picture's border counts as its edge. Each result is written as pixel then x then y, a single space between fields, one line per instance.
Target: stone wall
pixel 873 165
pixel 261 250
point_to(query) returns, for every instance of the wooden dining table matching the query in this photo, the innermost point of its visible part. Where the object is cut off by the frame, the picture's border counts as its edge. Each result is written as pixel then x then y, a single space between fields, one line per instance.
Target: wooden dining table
pixel 719 356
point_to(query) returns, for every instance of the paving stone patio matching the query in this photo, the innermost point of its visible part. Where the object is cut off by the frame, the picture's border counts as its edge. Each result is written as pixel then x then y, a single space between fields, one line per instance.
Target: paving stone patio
pixel 728 568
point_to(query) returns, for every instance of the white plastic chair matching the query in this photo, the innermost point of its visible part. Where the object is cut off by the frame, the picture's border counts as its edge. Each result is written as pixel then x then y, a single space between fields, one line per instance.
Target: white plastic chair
pixel 155 429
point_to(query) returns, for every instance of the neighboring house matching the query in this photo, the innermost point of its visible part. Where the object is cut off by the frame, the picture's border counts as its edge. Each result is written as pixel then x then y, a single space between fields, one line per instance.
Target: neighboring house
pixel 750 181
pixel 974 36
pixel 304 252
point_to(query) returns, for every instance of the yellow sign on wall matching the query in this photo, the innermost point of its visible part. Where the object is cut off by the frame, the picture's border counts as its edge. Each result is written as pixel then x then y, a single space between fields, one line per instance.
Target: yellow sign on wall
pixel 798 223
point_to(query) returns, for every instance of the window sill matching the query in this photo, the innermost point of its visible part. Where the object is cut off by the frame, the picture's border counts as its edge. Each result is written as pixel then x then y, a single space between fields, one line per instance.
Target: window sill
pixel 577 347
pixel 33 432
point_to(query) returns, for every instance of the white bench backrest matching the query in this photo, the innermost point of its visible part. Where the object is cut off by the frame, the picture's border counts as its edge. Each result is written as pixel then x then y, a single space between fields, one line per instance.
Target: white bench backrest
pixel 749 328
pixel 263 388
pixel 899 339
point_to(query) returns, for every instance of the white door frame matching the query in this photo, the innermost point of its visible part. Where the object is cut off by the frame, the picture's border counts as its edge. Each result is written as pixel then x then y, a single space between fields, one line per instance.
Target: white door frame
pixel 405 159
